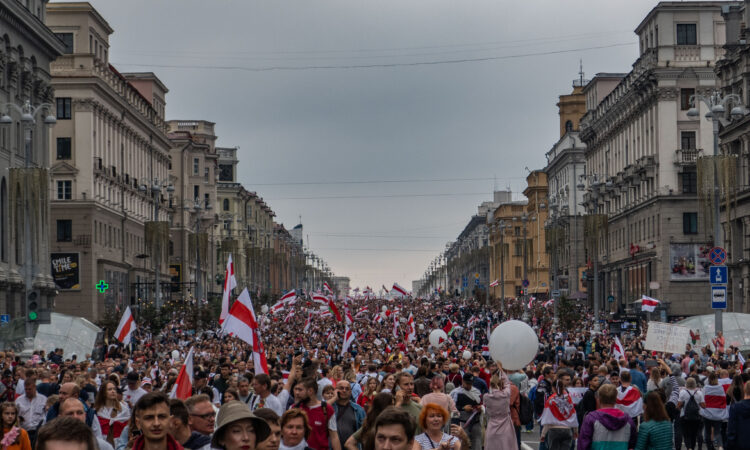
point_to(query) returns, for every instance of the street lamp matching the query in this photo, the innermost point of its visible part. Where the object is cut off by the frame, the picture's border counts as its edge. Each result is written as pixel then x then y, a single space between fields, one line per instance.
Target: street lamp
pixel 28 114
pixel 198 206
pixel 717 106
pixel 594 181
pixel 155 190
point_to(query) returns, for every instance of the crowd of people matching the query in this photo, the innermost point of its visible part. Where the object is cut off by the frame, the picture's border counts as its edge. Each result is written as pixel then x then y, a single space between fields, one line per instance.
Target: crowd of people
pixel 388 389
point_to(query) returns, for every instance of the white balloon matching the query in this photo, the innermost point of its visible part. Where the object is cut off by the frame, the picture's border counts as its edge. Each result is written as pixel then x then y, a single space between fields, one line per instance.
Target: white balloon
pixel 264 309
pixel 384 308
pixel 421 326
pixel 514 344
pixel 437 337
pixel 467 355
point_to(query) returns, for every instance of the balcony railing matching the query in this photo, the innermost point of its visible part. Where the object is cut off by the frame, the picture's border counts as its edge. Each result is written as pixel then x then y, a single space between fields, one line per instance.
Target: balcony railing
pixel 687 156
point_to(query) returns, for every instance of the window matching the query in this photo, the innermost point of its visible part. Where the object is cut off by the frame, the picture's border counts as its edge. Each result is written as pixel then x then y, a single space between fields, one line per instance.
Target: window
pixel 63 148
pixel 518 272
pixel 686 34
pixel 225 204
pixel 67 40
pixel 64 189
pixel 689 182
pixel 225 172
pixel 3 215
pixel 205 174
pixel 196 192
pixel 196 166
pixel 63 108
pixel 517 231
pixel 690 223
pixel 685 95
pixel 687 140
pixel 206 200
pixel 64 230
pixel 519 248
pixel 568 126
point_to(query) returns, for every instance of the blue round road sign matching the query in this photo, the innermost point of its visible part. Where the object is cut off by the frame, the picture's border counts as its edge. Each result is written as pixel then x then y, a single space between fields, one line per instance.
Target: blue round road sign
pixel 525 283
pixel 717 256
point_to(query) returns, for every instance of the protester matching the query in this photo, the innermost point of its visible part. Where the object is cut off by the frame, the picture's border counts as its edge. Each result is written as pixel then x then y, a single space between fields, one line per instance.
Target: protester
pixel 500 428
pixel 273 440
pixel 655 433
pixel 738 431
pixel 437 395
pixel 364 436
pixel 432 419
pixel 112 414
pixel 66 433
pixel 180 430
pixel 73 407
pixel 295 429
pixel 18 437
pixel 690 402
pixel 607 427
pixel 202 415
pixel 394 430
pixel 31 408
pixel 349 415
pixel 237 428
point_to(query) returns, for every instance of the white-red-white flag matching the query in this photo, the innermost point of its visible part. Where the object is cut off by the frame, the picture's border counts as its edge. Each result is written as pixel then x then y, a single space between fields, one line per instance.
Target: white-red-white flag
pixel 320 299
pixel 411 335
pixel 289 296
pixel 327 287
pixel 395 326
pixel 241 321
pixel 308 322
pixel 397 288
pixel 349 336
pixel 259 354
pixel 183 387
pixel 126 327
pixel 229 283
pixel 649 304
pixel 618 351
pixel 495 283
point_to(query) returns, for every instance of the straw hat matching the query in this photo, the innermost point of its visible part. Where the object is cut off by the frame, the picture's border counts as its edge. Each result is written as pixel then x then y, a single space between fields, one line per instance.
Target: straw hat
pixel 234 411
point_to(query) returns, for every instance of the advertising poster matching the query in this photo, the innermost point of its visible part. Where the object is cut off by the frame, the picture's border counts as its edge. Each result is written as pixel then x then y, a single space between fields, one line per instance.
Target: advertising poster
pixel 689 262
pixel 66 270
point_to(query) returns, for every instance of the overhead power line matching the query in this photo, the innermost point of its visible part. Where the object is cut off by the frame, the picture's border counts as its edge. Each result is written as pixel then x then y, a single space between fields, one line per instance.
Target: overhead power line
pixel 406 180
pixel 339 197
pixel 375 65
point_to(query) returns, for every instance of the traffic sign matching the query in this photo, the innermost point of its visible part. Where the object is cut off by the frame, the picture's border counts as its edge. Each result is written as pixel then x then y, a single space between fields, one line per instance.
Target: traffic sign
pixel 525 283
pixel 718 274
pixel 476 281
pixel 718 297
pixel 4 319
pixel 717 256
pixel 555 294
pixel 611 299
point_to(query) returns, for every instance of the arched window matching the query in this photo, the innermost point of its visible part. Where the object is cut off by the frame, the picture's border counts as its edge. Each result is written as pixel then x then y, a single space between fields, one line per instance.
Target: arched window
pixel 226 204
pixel 568 126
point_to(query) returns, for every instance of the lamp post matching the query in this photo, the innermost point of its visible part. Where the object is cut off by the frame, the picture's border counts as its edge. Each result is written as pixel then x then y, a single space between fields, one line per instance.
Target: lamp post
pixel 155 190
pixel 28 114
pixel 198 207
pixel 555 283
pixel 594 182
pixel 717 106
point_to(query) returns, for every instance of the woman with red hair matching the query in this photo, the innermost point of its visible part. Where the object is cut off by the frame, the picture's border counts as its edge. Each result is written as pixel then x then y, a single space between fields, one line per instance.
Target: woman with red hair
pixel 432 419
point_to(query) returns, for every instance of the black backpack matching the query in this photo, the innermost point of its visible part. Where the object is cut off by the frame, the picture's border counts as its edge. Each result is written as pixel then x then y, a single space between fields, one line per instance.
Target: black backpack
pixel 692 410
pixel 525 410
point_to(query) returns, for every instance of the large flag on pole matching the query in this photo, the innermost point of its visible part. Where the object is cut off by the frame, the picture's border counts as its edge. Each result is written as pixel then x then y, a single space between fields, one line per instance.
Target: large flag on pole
pixel 327 287
pixel 126 327
pixel 229 283
pixel 240 321
pixel 618 351
pixel 183 387
pixel 397 288
pixel 649 304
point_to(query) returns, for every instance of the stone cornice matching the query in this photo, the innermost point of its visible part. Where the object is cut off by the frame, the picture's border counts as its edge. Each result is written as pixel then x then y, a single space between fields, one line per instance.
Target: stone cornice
pixel 14 14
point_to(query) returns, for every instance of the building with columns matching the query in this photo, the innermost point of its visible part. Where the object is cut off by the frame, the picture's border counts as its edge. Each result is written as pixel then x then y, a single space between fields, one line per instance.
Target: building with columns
pixel 734 78
pixel 109 179
pixel 641 149
pixel 28 47
pixel 193 171
pixel 565 162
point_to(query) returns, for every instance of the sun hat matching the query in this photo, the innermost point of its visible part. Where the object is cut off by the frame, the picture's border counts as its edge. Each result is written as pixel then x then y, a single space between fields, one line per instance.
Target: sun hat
pixel 236 410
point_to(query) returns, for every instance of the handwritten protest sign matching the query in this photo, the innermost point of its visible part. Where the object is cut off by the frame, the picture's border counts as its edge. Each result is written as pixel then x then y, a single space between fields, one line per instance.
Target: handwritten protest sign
pixel 663 337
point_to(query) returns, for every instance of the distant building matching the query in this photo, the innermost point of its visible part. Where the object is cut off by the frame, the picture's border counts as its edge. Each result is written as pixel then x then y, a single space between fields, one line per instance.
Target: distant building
pixel 341 285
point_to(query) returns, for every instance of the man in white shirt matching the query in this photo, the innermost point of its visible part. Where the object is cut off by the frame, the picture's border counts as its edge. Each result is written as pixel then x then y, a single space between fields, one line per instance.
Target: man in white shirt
pixel 262 398
pixel 133 392
pixel 31 408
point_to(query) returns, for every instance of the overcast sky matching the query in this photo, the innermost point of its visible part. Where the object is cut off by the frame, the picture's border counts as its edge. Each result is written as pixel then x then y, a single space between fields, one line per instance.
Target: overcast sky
pixel 378 91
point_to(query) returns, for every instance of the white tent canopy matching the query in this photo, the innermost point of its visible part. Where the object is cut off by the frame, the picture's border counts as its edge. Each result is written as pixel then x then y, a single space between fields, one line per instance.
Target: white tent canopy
pixel 736 329
pixel 75 335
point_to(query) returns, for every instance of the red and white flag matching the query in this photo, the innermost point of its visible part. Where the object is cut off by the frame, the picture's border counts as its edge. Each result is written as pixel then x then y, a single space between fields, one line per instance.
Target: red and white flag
pixel 308 322
pixel 411 334
pixel 649 304
pixel 630 401
pixel 395 326
pixel 327 287
pixel 716 403
pixel 495 283
pixel 531 301
pixel 725 383
pixel 349 336
pixel 361 311
pixel 241 321
pixel 183 387
pixel 126 327
pixel 289 296
pixel 449 327
pixel 385 289
pixel 618 351
pixel 229 283
pixel 559 411
pixel 320 299
pixel 397 287
pixel 259 354
pixel 278 306
pixel 334 310
pixel 548 302
pixel 289 316
pixel 473 320
pixel 347 315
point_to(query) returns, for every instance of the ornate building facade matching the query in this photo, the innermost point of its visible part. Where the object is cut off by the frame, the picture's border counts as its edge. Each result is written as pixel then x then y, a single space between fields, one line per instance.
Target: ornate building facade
pixel 110 175
pixel 27 47
pixel 641 151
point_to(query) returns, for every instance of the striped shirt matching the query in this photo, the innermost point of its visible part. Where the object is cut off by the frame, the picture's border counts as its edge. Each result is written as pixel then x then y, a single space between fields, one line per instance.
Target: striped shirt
pixel 426 443
pixel 653 435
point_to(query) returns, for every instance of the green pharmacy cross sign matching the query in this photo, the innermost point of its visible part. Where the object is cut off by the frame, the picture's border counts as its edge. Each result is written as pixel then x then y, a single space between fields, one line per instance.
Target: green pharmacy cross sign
pixel 102 286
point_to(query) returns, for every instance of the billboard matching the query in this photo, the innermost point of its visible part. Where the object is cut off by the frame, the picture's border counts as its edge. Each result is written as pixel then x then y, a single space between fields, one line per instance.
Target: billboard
pixel 689 262
pixel 175 274
pixel 66 270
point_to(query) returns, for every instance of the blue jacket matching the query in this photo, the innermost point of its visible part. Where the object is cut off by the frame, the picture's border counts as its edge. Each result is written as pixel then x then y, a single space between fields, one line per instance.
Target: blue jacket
pixel 359 413
pixel 54 411
pixel 738 433
pixel 639 379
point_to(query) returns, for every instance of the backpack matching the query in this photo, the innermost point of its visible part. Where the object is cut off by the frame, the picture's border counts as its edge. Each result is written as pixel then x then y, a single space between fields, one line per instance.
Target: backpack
pixel 692 410
pixel 525 410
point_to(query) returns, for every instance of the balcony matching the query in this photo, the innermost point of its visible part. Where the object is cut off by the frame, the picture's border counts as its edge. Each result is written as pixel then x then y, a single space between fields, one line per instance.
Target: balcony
pixel 687 53
pixel 82 240
pixel 687 156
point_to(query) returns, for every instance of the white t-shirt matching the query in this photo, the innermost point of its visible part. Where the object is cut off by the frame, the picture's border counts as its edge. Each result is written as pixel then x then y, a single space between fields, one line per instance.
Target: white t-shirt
pixel 131 397
pixel 685 396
